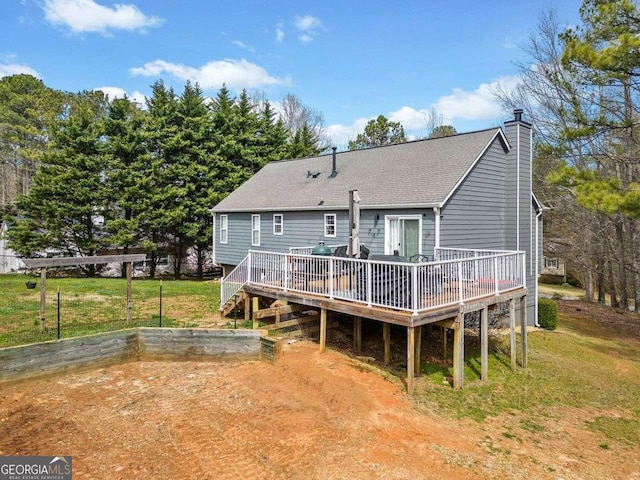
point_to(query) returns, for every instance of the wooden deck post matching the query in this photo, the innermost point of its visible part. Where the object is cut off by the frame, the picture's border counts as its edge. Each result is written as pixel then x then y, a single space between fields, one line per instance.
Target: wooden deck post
pixel 418 341
pixel 386 336
pixel 512 332
pixel 523 329
pixel 444 343
pixel 411 349
pixel 255 304
pixel 357 333
pixel 484 344
pixel 323 329
pixel 458 351
pixel 43 296
pixel 129 295
pixel 247 307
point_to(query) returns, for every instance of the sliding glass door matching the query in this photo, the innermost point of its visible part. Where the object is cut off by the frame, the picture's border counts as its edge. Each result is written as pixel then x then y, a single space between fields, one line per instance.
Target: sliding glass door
pixel 402 235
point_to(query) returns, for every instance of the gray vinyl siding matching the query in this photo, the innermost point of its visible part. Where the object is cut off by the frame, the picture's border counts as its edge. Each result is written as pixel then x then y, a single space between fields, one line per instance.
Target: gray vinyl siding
pixel 519 170
pixel 474 216
pixel 306 228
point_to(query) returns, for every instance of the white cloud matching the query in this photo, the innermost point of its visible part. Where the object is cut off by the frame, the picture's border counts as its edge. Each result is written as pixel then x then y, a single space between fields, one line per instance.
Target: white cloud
pixel 241 44
pixel 236 74
pixel 479 104
pixel 410 118
pixel 89 16
pixel 8 69
pixel 117 92
pixel 279 32
pixel 308 25
pixel 341 134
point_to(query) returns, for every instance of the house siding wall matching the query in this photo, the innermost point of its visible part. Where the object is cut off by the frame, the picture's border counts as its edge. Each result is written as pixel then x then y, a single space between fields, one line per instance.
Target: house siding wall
pixel 306 228
pixel 475 215
pixel 519 212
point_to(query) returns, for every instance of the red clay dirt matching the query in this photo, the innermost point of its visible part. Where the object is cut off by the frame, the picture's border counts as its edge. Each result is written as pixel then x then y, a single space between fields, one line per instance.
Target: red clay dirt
pixel 310 416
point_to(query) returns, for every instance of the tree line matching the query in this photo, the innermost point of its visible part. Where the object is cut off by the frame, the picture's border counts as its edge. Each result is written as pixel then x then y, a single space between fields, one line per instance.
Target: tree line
pixel 581 86
pixel 83 174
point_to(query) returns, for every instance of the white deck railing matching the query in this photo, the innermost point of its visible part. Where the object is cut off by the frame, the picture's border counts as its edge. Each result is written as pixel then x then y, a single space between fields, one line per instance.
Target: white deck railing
pixel 412 287
pixel 233 282
pixel 309 249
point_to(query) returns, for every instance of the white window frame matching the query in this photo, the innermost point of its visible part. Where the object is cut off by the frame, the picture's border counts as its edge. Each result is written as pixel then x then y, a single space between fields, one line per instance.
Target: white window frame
pixel 326 225
pixel 388 247
pixel 551 263
pixel 224 229
pixel 255 230
pixel 278 224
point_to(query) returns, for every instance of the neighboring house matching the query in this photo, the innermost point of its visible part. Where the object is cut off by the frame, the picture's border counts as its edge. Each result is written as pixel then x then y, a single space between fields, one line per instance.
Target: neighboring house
pixel 471 190
pixel 9 261
pixel 553 266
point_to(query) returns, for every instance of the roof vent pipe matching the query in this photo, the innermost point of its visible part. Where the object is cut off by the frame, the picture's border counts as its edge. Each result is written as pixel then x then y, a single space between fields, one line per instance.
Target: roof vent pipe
pixel 517 113
pixel 334 172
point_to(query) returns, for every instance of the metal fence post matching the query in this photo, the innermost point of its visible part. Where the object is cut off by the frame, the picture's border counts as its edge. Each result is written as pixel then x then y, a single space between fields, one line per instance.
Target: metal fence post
pixel 58 313
pixel 160 304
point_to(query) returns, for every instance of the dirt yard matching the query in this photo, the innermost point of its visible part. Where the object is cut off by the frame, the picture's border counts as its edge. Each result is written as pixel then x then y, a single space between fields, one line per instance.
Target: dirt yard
pixel 310 416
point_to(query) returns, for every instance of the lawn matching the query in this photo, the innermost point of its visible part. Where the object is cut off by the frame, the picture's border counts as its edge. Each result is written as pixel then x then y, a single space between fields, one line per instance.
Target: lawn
pixel 589 366
pixel 99 304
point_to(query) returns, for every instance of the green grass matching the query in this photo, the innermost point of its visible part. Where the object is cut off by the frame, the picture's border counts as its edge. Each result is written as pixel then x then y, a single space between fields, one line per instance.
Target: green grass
pixel 99 304
pixel 584 367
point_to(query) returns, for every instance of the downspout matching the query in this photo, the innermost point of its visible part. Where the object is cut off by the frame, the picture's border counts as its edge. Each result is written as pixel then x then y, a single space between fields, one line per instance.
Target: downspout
pixel 537 269
pixel 436 245
pixel 213 240
pixel 518 187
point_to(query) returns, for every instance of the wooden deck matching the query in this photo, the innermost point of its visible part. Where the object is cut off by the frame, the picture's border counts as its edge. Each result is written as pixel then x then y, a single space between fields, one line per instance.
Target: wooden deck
pixel 447 317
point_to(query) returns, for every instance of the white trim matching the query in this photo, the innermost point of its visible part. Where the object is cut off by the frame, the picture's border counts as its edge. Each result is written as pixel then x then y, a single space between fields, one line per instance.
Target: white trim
pixel 337 207
pixel 335 225
pixel 213 240
pixel 466 174
pixel 537 269
pixel 281 224
pixel 255 227
pixel 436 215
pixel 518 187
pixel 387 231
pixel 224 227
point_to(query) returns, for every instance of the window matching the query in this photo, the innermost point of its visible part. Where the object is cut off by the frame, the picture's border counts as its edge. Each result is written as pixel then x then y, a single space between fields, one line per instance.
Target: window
pixel 330 225
pixel 278 224
pixel 224 228
pixel 551 263
pixel 255 230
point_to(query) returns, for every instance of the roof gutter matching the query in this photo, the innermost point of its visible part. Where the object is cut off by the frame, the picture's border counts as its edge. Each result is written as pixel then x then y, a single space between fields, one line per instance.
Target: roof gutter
pixel 324 208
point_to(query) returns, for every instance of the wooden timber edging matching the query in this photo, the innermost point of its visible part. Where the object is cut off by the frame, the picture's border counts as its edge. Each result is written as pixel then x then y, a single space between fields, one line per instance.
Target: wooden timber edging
pixel 104 349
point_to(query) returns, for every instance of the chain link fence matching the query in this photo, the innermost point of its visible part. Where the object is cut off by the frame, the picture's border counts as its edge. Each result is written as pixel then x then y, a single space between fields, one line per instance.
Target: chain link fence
pixel 75 307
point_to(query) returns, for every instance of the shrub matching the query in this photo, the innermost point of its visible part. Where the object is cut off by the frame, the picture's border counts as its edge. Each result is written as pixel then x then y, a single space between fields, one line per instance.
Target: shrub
pixel 547 313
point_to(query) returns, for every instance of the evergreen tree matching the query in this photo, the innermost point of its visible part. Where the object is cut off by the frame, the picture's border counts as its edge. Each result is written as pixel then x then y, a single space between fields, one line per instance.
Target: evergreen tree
pixel 165 209
pixel 128 175
pixel 65 207
pixel 377 133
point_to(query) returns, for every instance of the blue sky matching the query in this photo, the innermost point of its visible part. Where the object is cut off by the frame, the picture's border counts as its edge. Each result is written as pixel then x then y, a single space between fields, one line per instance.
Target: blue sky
pixel 350 60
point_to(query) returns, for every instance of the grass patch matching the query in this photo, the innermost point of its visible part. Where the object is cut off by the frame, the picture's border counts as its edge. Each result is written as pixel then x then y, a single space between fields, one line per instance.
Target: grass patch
pixel 624 430
pixel 91 305
pixel 576 366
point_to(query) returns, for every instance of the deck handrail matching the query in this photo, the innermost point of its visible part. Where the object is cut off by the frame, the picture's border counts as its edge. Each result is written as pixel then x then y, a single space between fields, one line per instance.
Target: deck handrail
pixel 232 283
pixel 405 286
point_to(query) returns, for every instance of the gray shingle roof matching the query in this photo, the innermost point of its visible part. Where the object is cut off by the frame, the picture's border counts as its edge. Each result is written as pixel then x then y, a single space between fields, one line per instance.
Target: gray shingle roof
pixel 419 173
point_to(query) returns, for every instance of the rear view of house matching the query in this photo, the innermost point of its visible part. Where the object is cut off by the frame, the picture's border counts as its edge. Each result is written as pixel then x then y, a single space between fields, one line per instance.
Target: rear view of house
pixel 417 199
